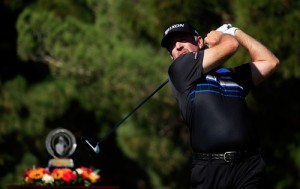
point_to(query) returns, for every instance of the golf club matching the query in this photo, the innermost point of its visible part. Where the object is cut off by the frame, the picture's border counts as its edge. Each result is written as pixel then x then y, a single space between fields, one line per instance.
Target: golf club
pixel 94 146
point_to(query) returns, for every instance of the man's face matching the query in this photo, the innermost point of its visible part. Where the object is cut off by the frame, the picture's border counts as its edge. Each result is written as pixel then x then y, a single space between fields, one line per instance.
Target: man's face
pixel 182 43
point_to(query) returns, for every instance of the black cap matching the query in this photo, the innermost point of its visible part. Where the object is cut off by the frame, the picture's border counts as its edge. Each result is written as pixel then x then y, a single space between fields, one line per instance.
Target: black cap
pixel 177 27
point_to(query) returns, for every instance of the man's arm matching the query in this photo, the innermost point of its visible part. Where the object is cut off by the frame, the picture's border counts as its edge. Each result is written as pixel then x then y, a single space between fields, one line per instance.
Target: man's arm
pixel 264 62
pixel 221 47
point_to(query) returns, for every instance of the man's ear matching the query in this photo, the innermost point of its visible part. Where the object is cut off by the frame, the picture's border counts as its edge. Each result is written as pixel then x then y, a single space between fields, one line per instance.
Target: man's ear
pixel 171 55
pixel 200 42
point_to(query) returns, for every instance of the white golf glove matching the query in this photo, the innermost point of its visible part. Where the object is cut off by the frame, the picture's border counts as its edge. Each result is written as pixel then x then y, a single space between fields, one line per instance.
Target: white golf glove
pixel 227 28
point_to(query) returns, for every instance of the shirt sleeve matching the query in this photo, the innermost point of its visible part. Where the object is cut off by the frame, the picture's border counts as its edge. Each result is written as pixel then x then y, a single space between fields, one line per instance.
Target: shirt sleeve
pixel 185 70
pixel 244 76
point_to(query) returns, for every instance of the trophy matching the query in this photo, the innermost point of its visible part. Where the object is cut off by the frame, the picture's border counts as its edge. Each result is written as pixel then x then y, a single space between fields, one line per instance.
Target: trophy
pixel 61 144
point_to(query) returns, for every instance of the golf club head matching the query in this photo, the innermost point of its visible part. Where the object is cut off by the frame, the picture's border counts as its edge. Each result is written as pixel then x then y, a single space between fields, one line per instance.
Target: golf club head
pixel 92 145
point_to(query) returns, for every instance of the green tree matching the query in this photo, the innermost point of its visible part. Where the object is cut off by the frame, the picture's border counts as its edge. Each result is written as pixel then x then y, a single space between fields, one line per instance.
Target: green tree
pixel 94 61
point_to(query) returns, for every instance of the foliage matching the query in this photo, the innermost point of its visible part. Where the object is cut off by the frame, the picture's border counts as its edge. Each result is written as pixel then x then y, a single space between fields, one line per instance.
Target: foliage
pixel 278 35
pixel 83 65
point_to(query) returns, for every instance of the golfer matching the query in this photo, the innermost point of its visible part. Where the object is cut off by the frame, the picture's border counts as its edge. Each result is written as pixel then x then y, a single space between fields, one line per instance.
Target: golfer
pixel 211 98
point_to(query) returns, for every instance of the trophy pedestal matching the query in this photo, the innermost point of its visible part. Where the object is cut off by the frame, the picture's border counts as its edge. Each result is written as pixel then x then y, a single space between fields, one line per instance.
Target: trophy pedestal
pixel 61 162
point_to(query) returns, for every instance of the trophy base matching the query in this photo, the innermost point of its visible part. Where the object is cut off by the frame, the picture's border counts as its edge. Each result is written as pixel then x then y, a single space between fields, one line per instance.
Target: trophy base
pixel 61 162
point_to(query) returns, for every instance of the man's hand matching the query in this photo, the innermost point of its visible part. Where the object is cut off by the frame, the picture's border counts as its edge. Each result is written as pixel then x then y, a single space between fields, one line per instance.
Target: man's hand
pixel 228 29
pixel 224 27
pixel 213 38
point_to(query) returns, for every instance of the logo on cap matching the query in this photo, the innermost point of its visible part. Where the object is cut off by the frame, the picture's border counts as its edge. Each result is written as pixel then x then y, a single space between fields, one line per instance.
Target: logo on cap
pixel 173 27
pixel 177 27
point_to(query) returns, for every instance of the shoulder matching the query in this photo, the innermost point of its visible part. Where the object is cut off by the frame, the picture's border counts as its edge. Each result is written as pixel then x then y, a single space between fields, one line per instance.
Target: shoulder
pixel 243 74
pixel 186 62
pixel 189 57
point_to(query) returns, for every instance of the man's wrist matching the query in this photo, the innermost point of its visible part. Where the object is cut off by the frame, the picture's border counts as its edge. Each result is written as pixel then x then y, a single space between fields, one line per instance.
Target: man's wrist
pixel 231 31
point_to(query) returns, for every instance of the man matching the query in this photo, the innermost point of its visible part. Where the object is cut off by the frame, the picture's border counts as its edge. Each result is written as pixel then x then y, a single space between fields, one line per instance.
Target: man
pixel 212 102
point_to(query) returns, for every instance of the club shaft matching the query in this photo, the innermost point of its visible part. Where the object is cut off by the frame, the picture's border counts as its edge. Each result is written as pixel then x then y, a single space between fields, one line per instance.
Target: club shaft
pixel 134 110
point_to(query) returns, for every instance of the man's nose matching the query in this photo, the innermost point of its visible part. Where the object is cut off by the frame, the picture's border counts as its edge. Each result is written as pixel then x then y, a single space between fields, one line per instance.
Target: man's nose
pixel 178 45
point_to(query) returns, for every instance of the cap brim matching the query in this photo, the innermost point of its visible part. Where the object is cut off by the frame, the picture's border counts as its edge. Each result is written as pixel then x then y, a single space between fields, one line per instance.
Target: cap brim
pixel 165 41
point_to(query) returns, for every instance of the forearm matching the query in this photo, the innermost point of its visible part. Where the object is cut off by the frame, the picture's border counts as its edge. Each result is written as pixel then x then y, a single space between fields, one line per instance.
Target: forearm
pixel 221 47
pixel 263 61
pixel 256 50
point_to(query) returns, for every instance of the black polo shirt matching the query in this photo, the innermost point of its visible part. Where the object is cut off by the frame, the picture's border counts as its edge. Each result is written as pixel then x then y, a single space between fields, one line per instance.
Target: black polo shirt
pixel 213 105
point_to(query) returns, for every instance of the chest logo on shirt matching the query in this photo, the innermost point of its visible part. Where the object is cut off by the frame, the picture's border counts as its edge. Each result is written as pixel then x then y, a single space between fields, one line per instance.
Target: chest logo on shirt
pixel 222 85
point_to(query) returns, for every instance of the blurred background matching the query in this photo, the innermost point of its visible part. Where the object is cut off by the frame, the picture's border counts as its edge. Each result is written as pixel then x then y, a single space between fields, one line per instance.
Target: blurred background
pixel 83 65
